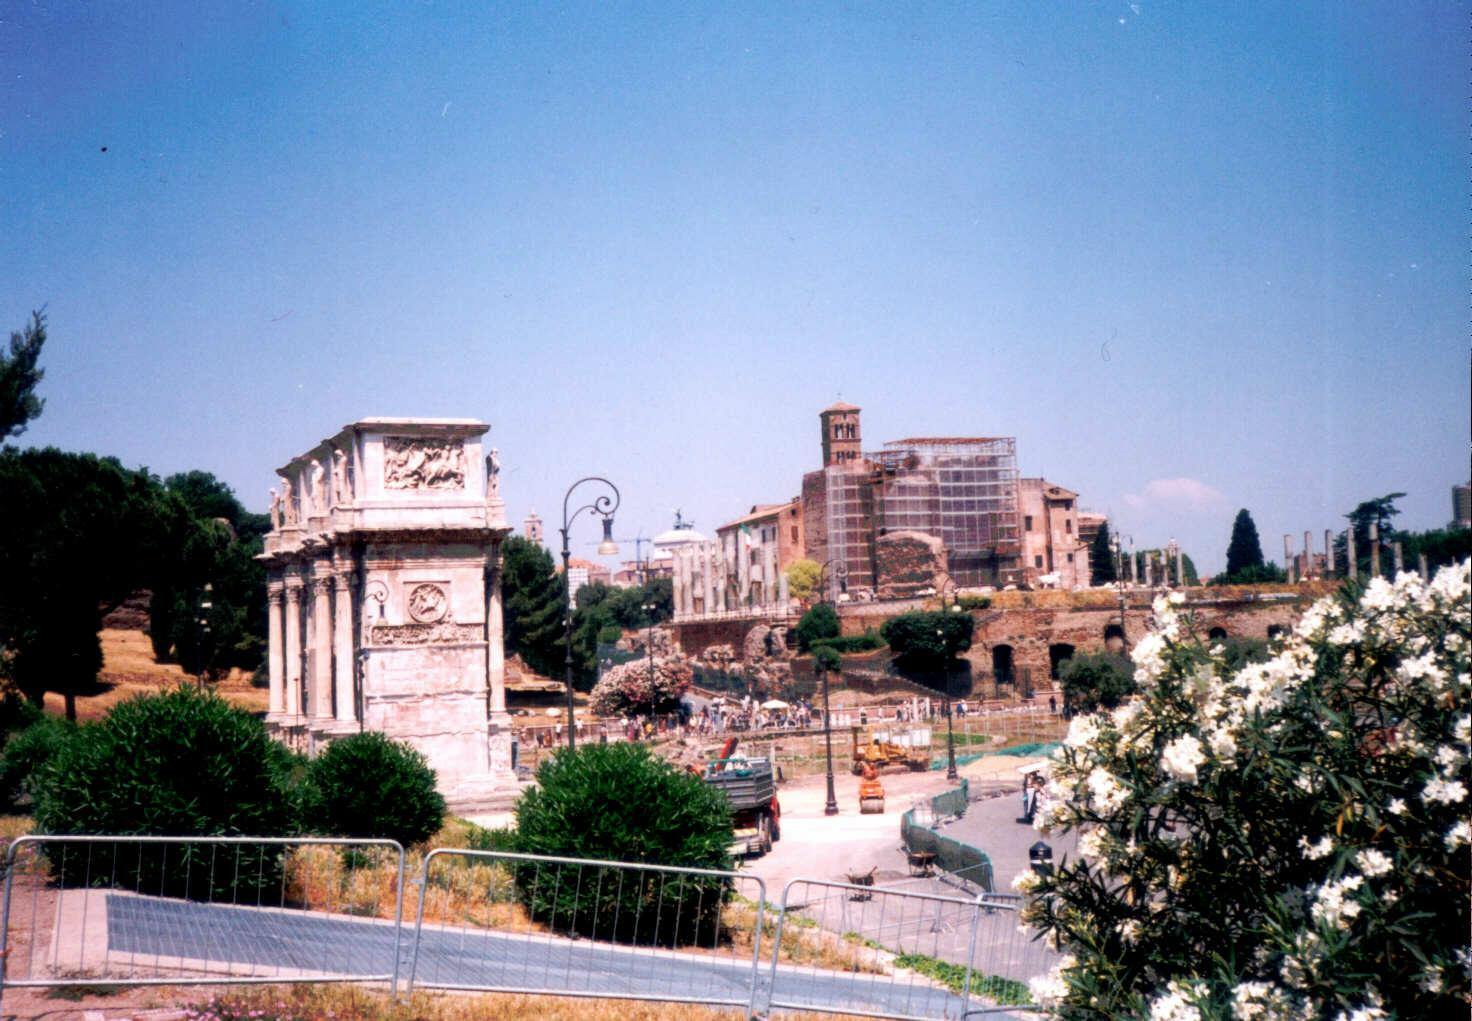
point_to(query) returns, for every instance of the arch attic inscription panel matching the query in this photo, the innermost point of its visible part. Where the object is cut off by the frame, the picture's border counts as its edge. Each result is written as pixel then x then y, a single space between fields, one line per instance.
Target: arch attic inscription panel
pixel 384 584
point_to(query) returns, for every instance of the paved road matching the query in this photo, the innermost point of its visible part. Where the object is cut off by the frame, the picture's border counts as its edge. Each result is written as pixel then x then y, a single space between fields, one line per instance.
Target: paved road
pixel 146 927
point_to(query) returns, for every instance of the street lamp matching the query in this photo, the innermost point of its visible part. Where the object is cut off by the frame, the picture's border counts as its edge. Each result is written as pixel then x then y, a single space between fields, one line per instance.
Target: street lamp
pixel 1118 547
pixel 649 609
pixel 830 807
pixel 951 773
pixel 604 505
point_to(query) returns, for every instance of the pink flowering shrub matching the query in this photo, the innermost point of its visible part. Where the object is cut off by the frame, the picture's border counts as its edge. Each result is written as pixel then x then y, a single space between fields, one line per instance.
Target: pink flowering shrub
pixel 1290 840
pixel 629 688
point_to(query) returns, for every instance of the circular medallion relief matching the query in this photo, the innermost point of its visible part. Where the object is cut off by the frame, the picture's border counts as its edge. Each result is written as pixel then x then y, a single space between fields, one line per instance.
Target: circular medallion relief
pixel 427 603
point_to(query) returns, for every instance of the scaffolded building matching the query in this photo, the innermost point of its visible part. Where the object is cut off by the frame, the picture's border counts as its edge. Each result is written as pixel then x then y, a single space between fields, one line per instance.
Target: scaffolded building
pixel 963 491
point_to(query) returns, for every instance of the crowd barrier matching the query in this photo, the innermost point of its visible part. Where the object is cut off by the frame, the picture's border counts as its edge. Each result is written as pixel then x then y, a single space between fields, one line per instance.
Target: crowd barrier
pixel 202 911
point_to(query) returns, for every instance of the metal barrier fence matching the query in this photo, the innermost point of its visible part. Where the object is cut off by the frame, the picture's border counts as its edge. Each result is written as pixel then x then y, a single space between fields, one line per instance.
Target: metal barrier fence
pixel 504 922
pixel 891 953
pixel 954 857
pixel 194 911
pixel 114 910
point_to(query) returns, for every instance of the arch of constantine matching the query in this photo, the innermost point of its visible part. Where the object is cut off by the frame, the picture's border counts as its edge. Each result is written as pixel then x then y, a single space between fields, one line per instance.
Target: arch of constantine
pixel 384 587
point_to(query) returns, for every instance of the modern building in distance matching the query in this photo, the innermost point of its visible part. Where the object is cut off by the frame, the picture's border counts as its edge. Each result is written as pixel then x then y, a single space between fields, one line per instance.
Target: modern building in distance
pixel 1462 505
pixel 583 572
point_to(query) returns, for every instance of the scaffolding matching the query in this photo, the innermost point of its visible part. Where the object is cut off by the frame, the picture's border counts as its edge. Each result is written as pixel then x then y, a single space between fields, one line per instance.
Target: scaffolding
pixel 962 490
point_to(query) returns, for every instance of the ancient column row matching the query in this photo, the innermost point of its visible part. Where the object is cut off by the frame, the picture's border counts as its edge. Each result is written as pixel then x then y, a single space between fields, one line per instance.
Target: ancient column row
pixel 311 648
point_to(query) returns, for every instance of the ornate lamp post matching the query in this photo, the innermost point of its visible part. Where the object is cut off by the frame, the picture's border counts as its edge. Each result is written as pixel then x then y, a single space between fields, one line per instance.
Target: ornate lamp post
pixel 1117 546
pixel 830 807
pixel 649 609
pixel 604 505
pixel 951 773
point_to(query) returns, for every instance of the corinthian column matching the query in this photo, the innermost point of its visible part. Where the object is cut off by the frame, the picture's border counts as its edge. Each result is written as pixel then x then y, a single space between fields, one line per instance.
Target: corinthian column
pixel 321 700
pixel 344 705
pixel 495 640
pixel 275 654
pixel 293 708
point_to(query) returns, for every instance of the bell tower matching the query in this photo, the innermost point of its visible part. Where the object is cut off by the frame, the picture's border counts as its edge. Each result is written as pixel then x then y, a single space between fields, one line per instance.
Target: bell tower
pixel 841 441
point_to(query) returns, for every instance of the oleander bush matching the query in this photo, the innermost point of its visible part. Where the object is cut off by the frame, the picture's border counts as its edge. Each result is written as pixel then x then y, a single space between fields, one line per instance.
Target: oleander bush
pixel 24 758
pixel 1287 840
pixel 184 763
pixel 370 787
pixel 618 802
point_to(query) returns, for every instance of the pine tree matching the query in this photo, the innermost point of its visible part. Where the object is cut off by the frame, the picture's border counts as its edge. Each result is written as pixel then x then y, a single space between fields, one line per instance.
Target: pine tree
pixel 532 605
pixel 1245 550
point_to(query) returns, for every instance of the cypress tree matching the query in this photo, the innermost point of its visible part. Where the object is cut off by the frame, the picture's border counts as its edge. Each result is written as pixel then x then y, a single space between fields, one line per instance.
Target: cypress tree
pixel 1244 551
pixel 1101 559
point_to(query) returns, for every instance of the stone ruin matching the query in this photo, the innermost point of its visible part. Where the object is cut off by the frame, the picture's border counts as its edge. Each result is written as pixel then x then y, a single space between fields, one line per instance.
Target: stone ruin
pixel 384 586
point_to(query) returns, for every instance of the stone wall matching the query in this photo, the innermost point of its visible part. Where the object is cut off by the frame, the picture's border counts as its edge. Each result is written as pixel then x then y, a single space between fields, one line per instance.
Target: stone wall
pixel 907 563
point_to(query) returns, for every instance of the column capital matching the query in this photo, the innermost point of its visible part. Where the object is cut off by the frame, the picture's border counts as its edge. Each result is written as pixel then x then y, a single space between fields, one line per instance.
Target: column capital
pixel 293 590
pixel 321 586
pixel 275 590
pixel 341 583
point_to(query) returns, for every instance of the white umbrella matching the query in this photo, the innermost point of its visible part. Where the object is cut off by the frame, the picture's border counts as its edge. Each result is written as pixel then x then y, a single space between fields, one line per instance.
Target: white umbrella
pixel 774 703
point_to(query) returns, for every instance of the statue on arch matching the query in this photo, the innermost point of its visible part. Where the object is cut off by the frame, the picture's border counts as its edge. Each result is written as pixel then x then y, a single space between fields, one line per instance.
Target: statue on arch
pixel 275 510
pixel 340 492
pixel 288 502
pixel 493 473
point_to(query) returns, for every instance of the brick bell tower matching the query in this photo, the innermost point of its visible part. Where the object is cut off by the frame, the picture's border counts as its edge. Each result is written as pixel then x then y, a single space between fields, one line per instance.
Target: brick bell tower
pixel 841 439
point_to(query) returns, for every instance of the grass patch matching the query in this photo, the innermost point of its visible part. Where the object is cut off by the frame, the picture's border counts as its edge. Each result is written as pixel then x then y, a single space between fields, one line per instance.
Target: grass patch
pixel 1005 991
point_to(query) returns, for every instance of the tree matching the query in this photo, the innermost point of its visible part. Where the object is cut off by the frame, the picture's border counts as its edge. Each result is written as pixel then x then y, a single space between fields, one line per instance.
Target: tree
pixel 928 640
pixel 1091 681
pixel 1380 511
pixel 1290 840
pixel 185 763
pixel 618 802
pixel 802 579
pixel 1440 546
pixel 532 605
pixel 818 623
pixel 1245 549
pixel 633 688
pixel 78 534
pixel 1101 559
pixel 370 787
pixel 19 377
pixel 215 542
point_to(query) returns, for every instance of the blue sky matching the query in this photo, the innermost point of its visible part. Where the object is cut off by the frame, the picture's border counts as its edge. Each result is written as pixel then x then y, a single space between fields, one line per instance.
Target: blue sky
pixel 1194 257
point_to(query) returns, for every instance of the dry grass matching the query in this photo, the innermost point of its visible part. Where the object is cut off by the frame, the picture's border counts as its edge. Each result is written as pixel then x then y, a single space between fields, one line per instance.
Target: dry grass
pixel 129 670
pixel 312 1002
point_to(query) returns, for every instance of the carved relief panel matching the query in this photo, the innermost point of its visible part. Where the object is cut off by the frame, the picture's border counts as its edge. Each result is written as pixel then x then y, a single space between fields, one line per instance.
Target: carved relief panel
pixel 414 463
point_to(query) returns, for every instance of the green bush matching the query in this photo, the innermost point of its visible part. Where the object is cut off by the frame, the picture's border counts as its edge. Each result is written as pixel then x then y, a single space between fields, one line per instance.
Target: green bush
pixel 370 787
pixel 617 802
pixel 1096 680
pixel 818 623
pixel 26 755
pixel 974 602
pixel 183 763
pixel 928 640
pixel 501 838
pixel 865 642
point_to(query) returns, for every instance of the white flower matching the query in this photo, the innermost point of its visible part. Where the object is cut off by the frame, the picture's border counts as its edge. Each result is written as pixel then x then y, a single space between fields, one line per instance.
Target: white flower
pixel 1049 988
pixel 1129 930
pixel 1105 790
pixel 1334 904
pixel 1182 757
pixel 1315 851
pixel 1396 806
pixel 1458 835
pixel 1223 744
pixel 1347 634
pixel 1258 1000
pixel 1447 791
pixel 1378 595
pixel 1082 730
pixel 1149 657
pixel 1361 1014
pixel 1462 730
pixel 1176 598
pixel 1372 863
pixel 1024 882
pixel 1091 843
pixel 1176 1004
